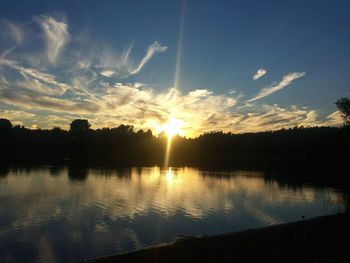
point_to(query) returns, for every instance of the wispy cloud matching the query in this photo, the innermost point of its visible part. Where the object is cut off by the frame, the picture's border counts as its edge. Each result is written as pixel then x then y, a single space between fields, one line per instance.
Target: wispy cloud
pixel 114 64
pixel 45 83
pixel 90 80
pixel 123 66
pixel 107 73
pixel 144 107
pixel 287 80
pixel 13 34
pixel 151 51
pixel 14 31
pixel 334 119
pixel 56 35
pixel 16 116
pixel 260 73
pixel 273 117
pixel 31 101
pixel 46 79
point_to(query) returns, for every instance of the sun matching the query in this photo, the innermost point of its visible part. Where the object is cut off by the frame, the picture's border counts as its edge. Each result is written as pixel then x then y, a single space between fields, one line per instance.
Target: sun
pixel 172 127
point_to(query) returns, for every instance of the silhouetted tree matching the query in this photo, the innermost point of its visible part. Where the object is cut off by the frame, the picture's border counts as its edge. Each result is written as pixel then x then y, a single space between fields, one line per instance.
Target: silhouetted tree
pixel 149 133
pixel 125 129
pixel 343 105
pixel 123 145
pixel 5 125
pixel 56 129
pixel 79 126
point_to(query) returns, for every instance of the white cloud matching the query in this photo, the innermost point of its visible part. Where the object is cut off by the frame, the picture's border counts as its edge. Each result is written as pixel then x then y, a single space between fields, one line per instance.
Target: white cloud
pixel 122 65
pixel 124 60
pixel 151 51
pixel 287 80
pixel 199 110
pixel 112 63
pixel 138 85
pixel 56 35
pixel 83 64
pixel 144 107
pixel 32 101
pixel 16 116
pixel 334 119
pixel 28 119
pixel 274 117
pixel 10 32
pixel 260 73
pixel 87 53
pixel 200 93
pixel 27 85
pixel 107 73
pixel 37 75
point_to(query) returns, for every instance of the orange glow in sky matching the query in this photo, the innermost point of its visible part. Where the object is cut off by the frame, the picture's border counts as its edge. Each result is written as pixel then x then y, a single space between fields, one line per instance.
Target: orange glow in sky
pixel 171 128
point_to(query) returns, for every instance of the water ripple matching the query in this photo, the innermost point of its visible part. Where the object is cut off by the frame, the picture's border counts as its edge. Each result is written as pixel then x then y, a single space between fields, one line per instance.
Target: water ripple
pixel 114 211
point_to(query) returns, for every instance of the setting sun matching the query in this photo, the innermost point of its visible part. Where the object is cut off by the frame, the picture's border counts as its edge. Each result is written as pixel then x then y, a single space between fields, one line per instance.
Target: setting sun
pixel 172 127
pixel 161 128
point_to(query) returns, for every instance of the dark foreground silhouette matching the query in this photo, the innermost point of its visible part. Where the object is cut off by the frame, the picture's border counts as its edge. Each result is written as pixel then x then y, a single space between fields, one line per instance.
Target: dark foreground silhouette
pixel 318 146
pixel 322 239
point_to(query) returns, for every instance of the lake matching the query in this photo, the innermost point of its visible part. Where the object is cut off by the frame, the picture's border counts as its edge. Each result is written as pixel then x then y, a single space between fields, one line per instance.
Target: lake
pixel 59 214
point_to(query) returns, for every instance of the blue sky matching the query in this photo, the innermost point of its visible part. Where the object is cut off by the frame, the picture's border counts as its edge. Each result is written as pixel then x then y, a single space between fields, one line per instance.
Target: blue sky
pixel 242 65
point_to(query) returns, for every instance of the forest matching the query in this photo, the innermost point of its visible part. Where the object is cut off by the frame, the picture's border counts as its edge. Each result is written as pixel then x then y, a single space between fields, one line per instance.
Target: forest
pixel 122 145
pixel 315 147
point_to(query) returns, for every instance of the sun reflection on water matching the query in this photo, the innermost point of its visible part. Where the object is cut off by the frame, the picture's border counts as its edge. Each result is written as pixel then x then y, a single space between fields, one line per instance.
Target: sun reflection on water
pixel 169 176
pixel 144 206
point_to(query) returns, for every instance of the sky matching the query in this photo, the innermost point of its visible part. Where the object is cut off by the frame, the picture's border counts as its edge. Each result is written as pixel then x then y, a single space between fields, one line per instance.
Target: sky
pixel 235 65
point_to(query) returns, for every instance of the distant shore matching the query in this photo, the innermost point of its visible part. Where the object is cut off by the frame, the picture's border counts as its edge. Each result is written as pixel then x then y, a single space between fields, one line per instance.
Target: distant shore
pixel 320 147
pixel 322 239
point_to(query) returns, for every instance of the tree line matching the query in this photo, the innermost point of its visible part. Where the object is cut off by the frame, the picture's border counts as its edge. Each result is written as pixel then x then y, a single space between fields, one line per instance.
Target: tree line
pixel 123 145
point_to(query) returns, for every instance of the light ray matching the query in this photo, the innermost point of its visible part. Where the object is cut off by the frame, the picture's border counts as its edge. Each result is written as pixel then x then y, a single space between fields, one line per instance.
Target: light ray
pixel 171 133
pixel 171 128
pixel 179 45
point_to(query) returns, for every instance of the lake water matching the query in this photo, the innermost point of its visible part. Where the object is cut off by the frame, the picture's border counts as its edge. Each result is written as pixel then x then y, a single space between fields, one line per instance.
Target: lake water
pixel 58 214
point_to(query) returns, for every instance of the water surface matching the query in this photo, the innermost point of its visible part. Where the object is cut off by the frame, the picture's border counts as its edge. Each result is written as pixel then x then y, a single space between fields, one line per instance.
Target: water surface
pixel 58 214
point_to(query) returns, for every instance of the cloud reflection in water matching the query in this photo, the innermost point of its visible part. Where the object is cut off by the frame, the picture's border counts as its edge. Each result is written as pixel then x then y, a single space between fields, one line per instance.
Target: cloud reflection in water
pixel 71 213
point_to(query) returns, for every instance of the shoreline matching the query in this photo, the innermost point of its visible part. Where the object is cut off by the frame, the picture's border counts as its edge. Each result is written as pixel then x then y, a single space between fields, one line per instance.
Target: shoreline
pixel 320 239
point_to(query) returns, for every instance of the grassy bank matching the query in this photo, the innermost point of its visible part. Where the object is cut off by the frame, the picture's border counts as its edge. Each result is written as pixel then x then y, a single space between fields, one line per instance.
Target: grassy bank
pixel 323 239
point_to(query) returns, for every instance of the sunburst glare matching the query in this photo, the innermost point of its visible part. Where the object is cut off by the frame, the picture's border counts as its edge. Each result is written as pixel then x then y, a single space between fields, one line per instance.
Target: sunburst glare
pixel 171 128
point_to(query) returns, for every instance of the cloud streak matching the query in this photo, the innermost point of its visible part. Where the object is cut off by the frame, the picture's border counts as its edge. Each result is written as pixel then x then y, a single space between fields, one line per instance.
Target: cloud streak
pixel 122 66
pixel 14 33
pixel 56 35
pixel 259 74
pixel 151 51
pixel 90 80
pixel 142 106
pixel 287 80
